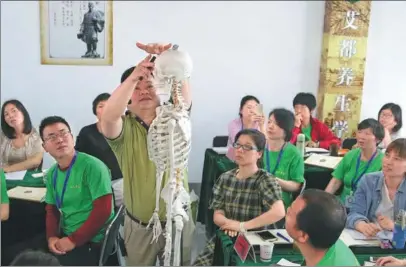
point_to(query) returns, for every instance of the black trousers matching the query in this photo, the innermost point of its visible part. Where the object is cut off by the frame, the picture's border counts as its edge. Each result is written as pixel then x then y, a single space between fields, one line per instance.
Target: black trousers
pixel 86 255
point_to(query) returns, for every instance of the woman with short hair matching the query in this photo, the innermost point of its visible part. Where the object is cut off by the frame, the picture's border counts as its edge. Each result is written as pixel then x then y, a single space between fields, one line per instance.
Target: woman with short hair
pixel 359 161
pixel 380 195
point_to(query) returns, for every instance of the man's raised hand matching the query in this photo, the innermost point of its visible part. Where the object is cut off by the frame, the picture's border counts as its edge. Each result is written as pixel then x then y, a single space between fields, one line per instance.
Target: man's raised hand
pixel 154 48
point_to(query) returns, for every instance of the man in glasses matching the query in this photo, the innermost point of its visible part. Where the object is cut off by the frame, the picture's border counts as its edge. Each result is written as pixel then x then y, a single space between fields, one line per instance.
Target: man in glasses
pixel 79 200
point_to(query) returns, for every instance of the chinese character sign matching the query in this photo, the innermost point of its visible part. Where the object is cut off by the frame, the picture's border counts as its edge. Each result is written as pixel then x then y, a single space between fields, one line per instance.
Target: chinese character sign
pixel 76 32
pixel 342 67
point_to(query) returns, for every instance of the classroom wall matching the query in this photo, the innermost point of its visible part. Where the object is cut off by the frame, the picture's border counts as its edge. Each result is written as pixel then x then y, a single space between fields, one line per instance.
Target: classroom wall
pixel 267 49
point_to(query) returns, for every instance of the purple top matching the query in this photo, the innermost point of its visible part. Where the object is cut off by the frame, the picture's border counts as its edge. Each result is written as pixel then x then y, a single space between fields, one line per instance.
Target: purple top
pixel 233 128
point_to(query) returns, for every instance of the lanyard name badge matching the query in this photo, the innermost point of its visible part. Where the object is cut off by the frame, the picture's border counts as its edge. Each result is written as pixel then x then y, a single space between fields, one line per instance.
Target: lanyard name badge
pixel 268 162
pixel 59 199
pixel 357 178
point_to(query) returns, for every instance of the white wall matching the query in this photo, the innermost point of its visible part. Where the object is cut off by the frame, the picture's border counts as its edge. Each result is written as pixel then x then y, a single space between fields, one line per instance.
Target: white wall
pixel 268 49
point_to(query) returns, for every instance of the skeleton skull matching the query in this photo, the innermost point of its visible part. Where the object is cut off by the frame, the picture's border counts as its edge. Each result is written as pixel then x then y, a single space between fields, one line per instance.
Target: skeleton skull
pixel 172 65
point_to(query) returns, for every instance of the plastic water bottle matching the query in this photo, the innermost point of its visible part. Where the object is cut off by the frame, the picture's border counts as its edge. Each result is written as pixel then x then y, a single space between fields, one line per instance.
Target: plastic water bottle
pixel 399 237
pixel 300 144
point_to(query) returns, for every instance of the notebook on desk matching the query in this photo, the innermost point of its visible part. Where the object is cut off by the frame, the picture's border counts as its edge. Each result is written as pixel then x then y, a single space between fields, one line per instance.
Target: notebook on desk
pixel 36 194
pixel 323 161
pixel 351 239
pixel 316 150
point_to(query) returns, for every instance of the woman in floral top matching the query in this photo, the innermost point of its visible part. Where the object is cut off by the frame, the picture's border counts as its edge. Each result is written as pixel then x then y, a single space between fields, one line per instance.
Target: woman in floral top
pixel 245 198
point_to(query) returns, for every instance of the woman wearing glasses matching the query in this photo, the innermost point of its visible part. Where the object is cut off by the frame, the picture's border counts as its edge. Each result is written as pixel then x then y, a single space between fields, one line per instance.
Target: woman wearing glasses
pixel 20 144
pixel 390 116
pixel 247 197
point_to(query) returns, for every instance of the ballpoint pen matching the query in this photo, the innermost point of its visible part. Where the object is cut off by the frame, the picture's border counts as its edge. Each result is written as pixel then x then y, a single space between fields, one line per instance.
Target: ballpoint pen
pixel 283 237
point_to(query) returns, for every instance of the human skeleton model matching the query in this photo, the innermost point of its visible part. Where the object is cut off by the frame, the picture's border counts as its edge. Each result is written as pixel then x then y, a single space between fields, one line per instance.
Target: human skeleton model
pixel 169 143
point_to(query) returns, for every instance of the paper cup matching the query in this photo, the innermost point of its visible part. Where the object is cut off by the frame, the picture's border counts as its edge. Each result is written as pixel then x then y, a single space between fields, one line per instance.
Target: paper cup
pixel 265 252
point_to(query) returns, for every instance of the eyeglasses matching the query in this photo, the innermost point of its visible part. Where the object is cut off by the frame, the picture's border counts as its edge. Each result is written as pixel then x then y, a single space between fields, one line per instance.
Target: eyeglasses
pixel 55 136
pixel 386 115
pixel 245 147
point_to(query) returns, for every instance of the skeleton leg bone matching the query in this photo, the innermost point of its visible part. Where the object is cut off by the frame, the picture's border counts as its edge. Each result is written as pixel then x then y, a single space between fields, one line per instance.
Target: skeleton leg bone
pixel 182 201
pixel 168 193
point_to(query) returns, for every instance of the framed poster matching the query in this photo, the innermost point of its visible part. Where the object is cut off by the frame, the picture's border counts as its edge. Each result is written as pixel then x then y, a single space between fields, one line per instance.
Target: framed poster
pixel 76 32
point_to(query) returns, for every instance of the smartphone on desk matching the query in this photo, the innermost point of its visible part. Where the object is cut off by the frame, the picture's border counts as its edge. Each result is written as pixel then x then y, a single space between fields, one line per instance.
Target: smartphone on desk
pixel 267 236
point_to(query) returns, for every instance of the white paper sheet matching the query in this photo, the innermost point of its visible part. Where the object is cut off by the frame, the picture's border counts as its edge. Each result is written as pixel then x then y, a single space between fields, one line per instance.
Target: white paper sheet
pixel 379 236
pixel 317 150
pixel 368 263
pixel 36 194
pixel 16 176
pixel 284 262
pixel 40 174
pixel 220 150
pixel 350 241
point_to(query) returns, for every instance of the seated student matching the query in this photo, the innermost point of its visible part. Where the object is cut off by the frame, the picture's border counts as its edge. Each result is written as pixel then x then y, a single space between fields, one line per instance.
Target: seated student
pixel 84 205
pixel 5 203
pixel 79 200
pixel 91 141
pixel 390 116
pixel 281 158
pixel 359 161
pixel 35 258
pixel 315 221
pixel 20 145
pixel 379 196
pixel 244 198
pixel 317 134
pixel 248 119
pixel 390 261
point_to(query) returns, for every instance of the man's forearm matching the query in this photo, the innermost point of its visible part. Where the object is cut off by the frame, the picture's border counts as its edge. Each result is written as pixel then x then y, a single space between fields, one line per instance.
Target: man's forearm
pixel 118 101
pixel 97 219
pixel 52 221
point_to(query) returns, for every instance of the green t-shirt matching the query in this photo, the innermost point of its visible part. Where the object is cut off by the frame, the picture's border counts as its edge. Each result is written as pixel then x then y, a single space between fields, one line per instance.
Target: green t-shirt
pixel 138 170
pixel 89 180
pixel 4 196
pixel 307 132
pixel 346 169
pixel 339 255
pixel 291 168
